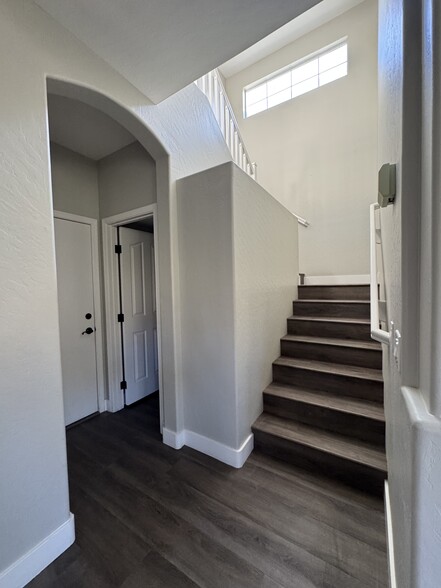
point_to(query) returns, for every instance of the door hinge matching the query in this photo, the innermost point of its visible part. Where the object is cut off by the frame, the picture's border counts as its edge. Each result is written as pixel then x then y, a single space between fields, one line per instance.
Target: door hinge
pixel 123 385
pixel 118 249
pixel 120 318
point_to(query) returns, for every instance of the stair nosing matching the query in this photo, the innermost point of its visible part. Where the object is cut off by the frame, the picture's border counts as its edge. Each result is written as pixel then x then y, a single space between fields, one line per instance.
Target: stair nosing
pixel 336 342
pixel 318 398
pixel 330 301
pixel 331 368
pixel 331 319
pixel 333 285
pixel 283 424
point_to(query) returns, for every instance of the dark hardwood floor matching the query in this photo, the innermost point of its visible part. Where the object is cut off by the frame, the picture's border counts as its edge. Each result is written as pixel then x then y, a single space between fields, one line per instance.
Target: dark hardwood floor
pixel 149 516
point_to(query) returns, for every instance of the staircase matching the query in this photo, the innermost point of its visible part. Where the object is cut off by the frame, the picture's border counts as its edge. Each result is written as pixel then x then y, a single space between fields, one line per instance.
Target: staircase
pixel 324 408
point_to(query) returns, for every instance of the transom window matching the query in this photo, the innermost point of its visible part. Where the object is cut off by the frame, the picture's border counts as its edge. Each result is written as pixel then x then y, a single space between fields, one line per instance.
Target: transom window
pixel 318 69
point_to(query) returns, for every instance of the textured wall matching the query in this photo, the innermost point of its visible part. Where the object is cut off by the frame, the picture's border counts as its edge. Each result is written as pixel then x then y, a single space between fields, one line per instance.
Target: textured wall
pixel 410 230
pixel 317 153
pixel 207 304
pixel 33 483
pixel 127 180
pixel 74 182
pixel 265 284
pixel 238 246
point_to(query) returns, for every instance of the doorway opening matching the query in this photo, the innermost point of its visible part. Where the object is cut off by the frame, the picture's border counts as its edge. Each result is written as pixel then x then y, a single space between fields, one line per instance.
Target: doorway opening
pixel 98 168
pixel 130 253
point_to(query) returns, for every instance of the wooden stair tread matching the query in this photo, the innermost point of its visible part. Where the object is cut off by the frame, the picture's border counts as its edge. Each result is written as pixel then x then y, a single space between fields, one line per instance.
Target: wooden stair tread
pixel 362 373
pixel 367 285
pixel 318 439
pixel 330 301
pixel 334 341
pixel 354 406
pixel 331 319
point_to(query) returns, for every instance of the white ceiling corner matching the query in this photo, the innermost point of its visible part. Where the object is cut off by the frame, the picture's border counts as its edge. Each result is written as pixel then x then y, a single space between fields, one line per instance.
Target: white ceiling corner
pixel 84 129
pixel 313 18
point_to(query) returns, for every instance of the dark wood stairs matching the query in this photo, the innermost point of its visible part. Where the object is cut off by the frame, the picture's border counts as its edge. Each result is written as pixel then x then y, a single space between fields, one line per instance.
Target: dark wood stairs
pixel 324 408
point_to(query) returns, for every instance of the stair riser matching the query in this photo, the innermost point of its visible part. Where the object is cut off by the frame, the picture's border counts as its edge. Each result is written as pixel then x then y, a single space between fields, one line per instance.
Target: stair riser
pixel 354 474
pixel 351 425
pixel 331 309
pixel 343 385
pixel 370 358
pixel 337 330
pixel 334 292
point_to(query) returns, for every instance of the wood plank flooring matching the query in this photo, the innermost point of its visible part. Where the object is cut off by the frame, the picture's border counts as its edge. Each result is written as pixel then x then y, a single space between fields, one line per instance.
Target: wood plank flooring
pixel 149 516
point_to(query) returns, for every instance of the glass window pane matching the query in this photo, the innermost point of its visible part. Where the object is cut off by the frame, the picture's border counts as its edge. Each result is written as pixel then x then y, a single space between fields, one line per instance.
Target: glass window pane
pixel 304 72
pixel 305 86
pixel 279 83
pixel 333 58
pixel 333 74
pixel 255 94
pixel 280 97
pixel 257 107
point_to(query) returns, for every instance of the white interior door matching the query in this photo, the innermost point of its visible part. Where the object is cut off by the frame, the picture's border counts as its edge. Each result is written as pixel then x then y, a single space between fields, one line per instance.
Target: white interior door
pixel 73 245
pixel 138 303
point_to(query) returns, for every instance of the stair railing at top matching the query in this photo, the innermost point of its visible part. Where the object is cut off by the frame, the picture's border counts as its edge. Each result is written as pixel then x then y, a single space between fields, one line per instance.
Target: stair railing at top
pixel 377 305
pixel 212 86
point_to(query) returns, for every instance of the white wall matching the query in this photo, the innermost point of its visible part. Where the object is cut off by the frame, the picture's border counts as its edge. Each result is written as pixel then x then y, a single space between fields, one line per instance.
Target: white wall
pixel 74 182
pixel 317 153
pixel 238 246
pixel 411 246
pixel 122 181
pixel 127 180
pixel 182 135
pixel 207 304
pixel 266 266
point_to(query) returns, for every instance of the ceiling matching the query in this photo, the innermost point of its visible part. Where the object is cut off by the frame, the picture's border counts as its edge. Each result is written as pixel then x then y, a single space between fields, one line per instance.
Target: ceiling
pixel 161 46
pixel 303 24
pixel 84 129
pixel 145 224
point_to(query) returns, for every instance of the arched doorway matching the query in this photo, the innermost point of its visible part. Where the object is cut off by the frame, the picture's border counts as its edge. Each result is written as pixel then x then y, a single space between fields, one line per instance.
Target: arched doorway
pixel 113 365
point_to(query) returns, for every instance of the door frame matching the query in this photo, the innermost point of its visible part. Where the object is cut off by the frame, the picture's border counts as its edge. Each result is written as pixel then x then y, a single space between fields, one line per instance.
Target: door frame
pixel 96 283
pixel 111 297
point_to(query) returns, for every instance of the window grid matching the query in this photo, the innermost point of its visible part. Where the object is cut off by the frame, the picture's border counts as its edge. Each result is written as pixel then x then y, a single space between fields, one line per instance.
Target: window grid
pixel 310 73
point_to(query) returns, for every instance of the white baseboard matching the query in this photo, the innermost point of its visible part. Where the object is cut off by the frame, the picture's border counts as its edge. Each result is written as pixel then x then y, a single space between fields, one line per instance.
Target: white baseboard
pixel 352 280
pixel 173 439
pixel 232 457
pixel 44 553
pixel 390 539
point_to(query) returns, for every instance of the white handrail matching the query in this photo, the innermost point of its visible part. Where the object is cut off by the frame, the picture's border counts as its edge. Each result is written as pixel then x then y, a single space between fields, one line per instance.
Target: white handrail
pixel 302 221
pixel 212 86
pixel 376 332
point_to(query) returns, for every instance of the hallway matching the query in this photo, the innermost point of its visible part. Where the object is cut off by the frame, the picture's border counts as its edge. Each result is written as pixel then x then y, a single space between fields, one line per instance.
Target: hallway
pixel 149 516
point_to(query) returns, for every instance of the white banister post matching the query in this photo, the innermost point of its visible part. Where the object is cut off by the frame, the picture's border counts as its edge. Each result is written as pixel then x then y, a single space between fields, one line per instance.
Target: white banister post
pixel 240 154
pixel 211 85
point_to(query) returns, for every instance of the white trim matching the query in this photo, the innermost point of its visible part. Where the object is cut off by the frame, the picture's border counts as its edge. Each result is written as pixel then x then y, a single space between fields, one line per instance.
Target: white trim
pixel 111 295
pixel 349 280
pixel 173 439
pixel 232 457
pixel 93 223
pixel 390 538
pixel 39 557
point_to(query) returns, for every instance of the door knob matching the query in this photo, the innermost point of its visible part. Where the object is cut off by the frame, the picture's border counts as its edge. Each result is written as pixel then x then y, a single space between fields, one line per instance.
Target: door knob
pixel 88 331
